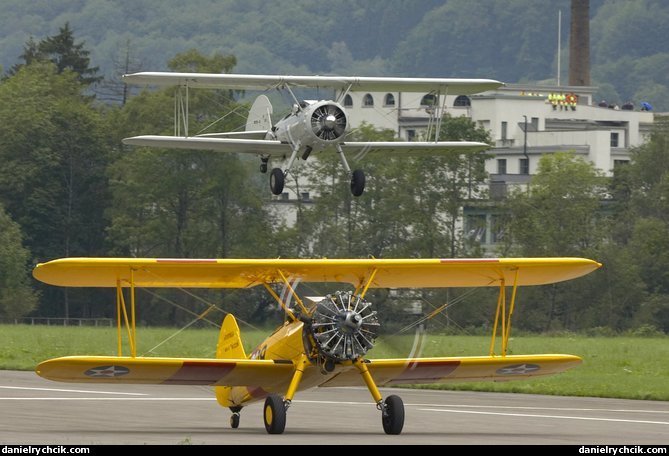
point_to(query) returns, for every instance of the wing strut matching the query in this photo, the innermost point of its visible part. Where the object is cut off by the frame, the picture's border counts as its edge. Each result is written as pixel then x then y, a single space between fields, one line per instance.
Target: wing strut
pixel 366 287
pixel 502 312
pixel 122 312
pixel 181 108
pixel 278 299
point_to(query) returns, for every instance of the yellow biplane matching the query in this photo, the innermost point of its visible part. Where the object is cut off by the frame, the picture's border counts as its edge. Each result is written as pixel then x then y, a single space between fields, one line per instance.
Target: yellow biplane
pixel 322 344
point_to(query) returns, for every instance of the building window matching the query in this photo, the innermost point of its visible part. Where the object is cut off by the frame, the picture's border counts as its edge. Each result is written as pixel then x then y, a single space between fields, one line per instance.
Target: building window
pixel 497 229
pixel 501 166
pixel 348 101
pixel 614 139
pixel 429 100
pixel 505 128
pixel 462 100
pixel 619 163
pixel 411 135
pixel 535 124
pixel 368 100
pixel 524 166
pixel 389 100
pixel 475 228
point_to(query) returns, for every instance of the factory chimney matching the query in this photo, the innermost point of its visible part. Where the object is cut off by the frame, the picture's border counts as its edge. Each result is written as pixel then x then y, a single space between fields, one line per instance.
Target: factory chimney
pixel 579 43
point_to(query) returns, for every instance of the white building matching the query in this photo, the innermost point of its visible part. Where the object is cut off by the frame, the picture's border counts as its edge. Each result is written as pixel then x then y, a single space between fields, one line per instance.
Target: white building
pixel 525 122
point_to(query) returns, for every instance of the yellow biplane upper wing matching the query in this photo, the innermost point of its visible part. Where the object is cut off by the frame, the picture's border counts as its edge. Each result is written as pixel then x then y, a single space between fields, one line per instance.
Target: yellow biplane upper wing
pixel 242 273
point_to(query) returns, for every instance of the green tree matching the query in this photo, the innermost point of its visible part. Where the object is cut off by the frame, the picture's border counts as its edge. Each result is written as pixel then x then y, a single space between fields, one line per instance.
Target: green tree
pixel 63 52
pixel 17 298
pixel 186 203
pixel 54 151
pixel 560 215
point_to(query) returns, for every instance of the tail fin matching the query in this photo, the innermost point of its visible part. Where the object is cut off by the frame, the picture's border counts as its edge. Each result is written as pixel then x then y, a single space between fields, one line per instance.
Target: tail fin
pixel 229 347
pixel 260 115
pixel 229 340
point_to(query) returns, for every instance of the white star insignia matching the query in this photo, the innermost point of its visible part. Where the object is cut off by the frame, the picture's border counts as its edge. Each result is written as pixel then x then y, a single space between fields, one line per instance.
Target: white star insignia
pixel 107 371
pixel 518 369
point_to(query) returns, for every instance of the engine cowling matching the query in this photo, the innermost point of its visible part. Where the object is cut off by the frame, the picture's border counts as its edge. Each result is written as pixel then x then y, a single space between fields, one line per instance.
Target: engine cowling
pixel 315 124
pixel 328 121
pixel 344 326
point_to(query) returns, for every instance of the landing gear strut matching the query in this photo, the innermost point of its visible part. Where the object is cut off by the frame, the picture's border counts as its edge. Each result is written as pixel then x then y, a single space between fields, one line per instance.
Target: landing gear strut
pixel 392 409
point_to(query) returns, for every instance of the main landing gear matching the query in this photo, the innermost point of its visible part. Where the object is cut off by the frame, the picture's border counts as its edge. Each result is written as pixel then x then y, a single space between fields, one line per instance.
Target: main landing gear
pixel 277 176
pixel 274 411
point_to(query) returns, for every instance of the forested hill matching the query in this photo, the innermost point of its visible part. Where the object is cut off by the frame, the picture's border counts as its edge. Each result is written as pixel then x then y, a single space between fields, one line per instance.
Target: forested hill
pixel 511 40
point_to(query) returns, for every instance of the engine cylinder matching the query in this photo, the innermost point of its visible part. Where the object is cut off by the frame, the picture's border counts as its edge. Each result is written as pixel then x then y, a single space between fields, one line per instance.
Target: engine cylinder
pixel 344 326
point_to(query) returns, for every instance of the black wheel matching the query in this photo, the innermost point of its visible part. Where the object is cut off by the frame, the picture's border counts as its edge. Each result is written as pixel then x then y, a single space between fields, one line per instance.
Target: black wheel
pixel 234 420
pixel 274 414
pixel 393 416
pixel 276 181
pixel 357 182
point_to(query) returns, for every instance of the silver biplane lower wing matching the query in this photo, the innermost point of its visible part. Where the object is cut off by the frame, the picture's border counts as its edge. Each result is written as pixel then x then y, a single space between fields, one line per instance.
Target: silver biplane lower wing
pixel 274 148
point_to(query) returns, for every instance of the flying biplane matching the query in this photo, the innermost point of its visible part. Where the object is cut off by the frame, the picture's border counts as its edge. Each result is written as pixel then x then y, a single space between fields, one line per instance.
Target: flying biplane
pixel 311 126
pixel 323 344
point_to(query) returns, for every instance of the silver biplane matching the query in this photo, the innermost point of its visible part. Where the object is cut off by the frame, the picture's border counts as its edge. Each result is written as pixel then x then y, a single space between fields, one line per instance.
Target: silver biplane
pixel 311 125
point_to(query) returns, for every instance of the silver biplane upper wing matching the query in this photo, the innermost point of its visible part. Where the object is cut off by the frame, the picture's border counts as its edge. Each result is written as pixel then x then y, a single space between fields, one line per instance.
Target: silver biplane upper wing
pixel 353 84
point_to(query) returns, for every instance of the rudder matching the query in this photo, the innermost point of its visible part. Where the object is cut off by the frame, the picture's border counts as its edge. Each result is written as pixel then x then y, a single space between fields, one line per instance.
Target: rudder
pixel 229 340
pixel 229 347
pixel 260 115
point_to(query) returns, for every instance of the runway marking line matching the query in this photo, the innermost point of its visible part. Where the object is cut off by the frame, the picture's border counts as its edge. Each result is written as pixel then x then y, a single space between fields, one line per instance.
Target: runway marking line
pixel 563 417
pixel 60 390
pixel 512 407
pixel 164 399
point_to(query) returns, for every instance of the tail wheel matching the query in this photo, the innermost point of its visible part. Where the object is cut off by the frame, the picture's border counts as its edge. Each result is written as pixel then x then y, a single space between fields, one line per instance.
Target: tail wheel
pixel 357 182
pixel 274 414
pixel 393 415
pixel 234 420
pixel 276 181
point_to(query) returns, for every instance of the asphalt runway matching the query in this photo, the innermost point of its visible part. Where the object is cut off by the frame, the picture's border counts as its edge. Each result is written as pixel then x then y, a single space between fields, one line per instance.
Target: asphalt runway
pixel 37 411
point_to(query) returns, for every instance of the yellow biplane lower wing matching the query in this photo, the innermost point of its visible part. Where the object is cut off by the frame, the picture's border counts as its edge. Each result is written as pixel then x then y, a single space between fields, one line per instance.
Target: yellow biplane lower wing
pixel 458 369
pixel 270 374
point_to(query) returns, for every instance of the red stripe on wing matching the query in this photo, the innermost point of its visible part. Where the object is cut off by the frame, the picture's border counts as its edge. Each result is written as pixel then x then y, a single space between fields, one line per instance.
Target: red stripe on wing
pixel 425 372
pixel 469 260
pixel 200 373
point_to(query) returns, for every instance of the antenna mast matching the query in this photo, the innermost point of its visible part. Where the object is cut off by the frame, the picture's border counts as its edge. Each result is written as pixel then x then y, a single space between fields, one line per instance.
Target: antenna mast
pixel 559 45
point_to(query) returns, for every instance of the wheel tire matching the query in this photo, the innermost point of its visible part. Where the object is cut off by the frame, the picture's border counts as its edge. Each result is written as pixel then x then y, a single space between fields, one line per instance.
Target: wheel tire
pixel 393 419
pixel 274 414
pixel 276 181
pixel 357 182
pixel 234 420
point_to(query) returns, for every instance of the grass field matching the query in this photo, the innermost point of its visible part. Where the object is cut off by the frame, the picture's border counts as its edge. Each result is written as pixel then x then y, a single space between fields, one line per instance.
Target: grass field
pixel 622 367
